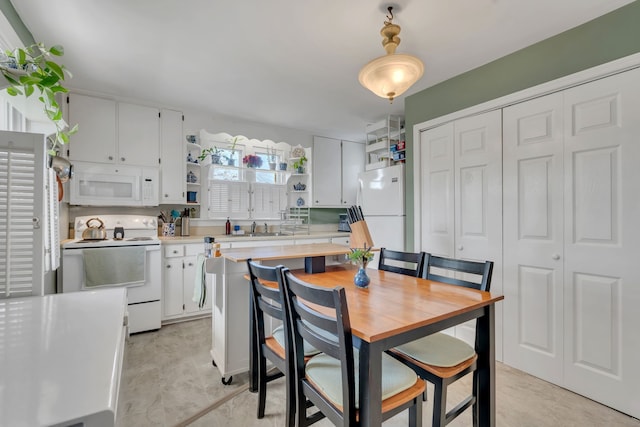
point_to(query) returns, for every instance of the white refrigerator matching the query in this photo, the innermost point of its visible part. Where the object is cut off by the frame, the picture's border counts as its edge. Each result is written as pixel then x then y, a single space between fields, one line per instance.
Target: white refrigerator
pixel 381 196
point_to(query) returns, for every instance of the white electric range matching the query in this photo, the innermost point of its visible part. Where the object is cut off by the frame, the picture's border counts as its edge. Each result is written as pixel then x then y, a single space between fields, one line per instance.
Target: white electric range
pixel 129 257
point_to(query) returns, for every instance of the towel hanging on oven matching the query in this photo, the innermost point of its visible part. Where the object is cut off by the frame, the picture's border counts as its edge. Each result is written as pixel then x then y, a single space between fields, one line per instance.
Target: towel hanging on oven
pixel 200 283
pixel 119 266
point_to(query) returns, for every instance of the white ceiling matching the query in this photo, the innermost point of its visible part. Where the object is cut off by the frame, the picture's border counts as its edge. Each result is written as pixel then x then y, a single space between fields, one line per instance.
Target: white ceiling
pixel 291 63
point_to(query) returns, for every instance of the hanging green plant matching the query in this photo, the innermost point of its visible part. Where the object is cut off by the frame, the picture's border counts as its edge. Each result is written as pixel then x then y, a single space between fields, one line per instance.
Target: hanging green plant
pixel 30 68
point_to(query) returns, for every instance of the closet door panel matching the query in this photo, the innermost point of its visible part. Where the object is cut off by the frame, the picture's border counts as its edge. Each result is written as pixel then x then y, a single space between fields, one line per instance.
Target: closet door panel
pixel 533 236
pixel 437 183
pixel 478 196
pixel 602 279
pixel 478 202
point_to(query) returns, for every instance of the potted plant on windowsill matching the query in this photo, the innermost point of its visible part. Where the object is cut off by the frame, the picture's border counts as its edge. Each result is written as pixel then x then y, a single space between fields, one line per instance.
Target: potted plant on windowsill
pixel 298 165
pixel 272 158
pixel 214 152
pixel 30 68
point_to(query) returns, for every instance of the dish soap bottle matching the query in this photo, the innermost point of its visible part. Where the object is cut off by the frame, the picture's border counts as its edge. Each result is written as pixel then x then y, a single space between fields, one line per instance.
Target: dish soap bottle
pixel 227 227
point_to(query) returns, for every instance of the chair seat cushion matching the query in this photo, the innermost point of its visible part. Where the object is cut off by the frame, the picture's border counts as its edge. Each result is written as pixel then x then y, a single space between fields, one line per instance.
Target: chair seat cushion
pixel 325 372
pixel 278 335
pixel 438 350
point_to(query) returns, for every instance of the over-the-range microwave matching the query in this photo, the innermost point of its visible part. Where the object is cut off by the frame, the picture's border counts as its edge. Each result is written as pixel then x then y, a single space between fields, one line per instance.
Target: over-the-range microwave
pixel 99 184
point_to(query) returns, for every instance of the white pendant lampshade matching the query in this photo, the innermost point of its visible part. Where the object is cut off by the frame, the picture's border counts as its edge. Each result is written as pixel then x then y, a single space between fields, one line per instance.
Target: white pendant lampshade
pixel 391 75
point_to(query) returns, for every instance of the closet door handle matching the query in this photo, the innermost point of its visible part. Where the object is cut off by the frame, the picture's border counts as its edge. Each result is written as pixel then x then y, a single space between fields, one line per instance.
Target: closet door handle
pixel 460 247
pixel 555 257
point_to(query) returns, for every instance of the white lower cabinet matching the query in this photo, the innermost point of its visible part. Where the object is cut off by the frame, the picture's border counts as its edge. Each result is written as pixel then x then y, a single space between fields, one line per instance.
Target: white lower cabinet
pixel 178 280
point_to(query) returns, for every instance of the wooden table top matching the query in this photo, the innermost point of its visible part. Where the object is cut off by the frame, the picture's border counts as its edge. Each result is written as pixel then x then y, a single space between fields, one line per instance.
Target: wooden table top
pixel 394 303
pixel 275 252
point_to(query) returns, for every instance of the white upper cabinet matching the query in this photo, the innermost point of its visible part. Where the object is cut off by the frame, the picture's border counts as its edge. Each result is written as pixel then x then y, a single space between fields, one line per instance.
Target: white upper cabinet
pixel 96 137
pixel 327 167
pixel 112 132
pixel 173 158
pixel 353 160
pixel 336 165
pixel 138 135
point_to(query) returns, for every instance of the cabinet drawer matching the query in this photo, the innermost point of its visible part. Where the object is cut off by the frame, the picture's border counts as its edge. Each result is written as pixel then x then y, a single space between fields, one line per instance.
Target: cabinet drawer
pixel 172 251
pixel 340 240
pixel 194 249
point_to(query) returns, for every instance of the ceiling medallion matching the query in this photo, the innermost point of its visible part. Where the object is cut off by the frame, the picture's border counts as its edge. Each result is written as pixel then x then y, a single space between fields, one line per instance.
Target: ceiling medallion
pixel 389 76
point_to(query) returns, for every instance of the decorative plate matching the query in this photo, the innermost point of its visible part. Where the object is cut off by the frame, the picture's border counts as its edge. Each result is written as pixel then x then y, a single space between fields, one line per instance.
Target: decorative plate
pixel 300 201
pixel 297 151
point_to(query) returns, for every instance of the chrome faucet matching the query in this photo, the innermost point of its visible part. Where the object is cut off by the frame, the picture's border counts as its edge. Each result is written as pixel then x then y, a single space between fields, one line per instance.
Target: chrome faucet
pixel 253 228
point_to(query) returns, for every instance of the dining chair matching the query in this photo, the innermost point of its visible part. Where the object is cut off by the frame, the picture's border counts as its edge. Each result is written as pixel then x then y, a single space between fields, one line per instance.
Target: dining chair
pixel 329 379
pixel 440 358
pixel 407 263
pixel 277 347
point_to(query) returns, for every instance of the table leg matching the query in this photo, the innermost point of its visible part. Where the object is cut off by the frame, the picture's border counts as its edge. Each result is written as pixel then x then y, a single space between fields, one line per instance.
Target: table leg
pixel 486 373
pixel 314 264
pixel 253 349
pixel 370 373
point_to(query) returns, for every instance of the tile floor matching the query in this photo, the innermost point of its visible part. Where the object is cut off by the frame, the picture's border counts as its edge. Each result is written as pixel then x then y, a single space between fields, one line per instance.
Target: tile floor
pixel 167 377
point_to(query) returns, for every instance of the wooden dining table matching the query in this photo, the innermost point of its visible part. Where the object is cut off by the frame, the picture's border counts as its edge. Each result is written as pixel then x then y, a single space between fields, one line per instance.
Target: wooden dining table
pixel 396 309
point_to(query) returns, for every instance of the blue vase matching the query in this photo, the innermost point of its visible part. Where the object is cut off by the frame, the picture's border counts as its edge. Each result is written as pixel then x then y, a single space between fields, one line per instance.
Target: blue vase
pixel 361 279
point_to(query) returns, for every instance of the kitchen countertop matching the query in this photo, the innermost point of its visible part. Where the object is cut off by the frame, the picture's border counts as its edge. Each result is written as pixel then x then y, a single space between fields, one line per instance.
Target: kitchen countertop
pixel 62 358
pixel 284 252
pixel 225 238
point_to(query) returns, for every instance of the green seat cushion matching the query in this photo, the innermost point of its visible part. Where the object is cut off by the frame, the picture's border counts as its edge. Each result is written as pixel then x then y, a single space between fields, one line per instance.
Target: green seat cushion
pixel 325 372
pixel 278 335
pixel 438 350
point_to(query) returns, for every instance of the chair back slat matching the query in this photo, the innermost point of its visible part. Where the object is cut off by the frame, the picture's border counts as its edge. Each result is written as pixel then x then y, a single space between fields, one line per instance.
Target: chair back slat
pixel 483 269
pixel 407 263
pixel 265 299
pixel 308 323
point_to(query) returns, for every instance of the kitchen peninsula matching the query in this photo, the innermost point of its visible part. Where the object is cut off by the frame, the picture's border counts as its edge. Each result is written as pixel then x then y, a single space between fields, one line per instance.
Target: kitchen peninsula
pixel 230 314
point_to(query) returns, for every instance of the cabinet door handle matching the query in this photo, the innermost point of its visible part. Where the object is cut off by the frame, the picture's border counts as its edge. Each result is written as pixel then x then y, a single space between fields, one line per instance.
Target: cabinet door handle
pixel 556 257
pixel 166 195
pixel 122 159
pixel 460 247
pixel 169 266
pixel 190 264
pixel 175 252
pixel 110 157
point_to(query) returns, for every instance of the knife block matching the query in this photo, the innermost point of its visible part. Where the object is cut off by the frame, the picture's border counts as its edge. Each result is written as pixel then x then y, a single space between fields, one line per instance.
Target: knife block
pixel 360 235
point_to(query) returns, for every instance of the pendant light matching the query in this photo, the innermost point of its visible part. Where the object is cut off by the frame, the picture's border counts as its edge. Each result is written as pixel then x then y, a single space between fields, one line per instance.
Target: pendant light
pixel 391 75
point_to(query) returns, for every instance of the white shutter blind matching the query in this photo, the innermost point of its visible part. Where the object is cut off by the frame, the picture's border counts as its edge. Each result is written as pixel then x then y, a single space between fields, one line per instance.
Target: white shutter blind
pixel 51 235
pixel 238 200
pixel 228 199
pixel 17 235
pixel 261 201
pixel 269 200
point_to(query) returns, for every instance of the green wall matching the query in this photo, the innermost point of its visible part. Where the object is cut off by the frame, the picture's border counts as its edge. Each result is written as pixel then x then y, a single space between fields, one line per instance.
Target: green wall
pixel 609 37
pixel 326 215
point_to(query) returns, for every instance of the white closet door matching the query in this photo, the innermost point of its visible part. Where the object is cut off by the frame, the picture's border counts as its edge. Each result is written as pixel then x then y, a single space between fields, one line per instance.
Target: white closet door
pixel 478 202
pixel 533 237
pixel 478 195
pixel 436 148
pixel 462 198
pixel 602 235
